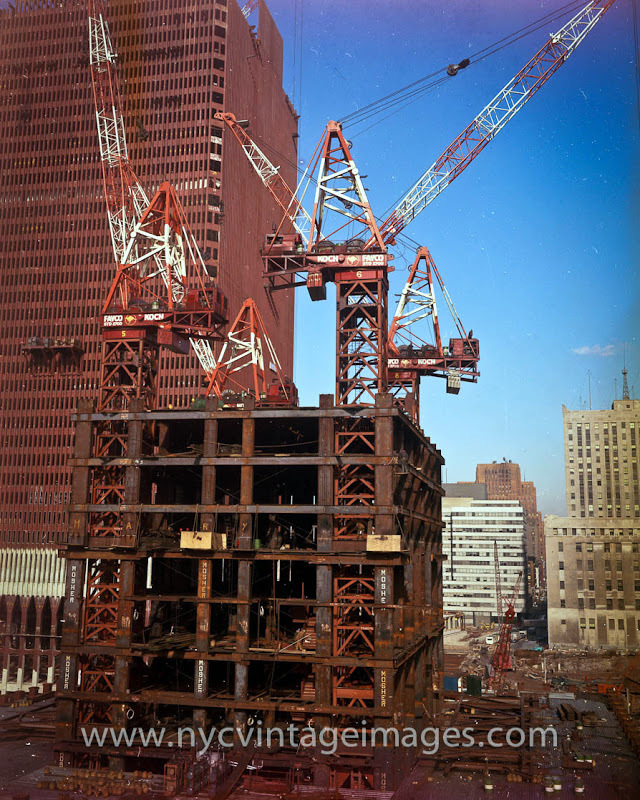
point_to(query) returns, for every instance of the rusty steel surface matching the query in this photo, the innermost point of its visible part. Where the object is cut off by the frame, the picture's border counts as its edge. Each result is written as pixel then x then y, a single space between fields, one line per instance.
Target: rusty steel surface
pixel 288 614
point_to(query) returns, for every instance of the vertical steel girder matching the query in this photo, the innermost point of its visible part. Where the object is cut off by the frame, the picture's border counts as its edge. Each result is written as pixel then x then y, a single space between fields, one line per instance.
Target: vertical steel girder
pixel 354 484
pixel 99 628
pixel 361 338
pixel 353 635
pixel 128 378
pixel 129 371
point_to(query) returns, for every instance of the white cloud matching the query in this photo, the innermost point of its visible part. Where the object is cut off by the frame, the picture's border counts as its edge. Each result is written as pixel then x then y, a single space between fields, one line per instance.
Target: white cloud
pixel 596 350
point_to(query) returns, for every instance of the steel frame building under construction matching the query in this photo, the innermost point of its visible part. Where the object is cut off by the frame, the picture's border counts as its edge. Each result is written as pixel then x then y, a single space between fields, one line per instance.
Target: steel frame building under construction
pixel 281 565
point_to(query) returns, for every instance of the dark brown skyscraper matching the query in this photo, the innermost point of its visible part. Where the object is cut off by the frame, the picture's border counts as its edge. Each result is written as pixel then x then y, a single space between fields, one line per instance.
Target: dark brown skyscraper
pixel 178 65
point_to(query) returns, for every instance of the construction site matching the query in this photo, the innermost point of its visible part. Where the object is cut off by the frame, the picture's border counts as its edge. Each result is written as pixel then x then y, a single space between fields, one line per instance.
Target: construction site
pixel 229 560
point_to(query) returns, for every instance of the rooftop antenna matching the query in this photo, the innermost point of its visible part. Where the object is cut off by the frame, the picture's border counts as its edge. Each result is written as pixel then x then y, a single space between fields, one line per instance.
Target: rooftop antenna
pixel 615 388
pixel 625 383
pixel 589 381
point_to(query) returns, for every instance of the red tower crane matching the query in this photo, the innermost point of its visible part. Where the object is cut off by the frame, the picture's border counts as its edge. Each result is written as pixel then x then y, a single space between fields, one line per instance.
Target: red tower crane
pixel 496 563
pixel 162 293
pixel 301 251
pixel 247 347
pixel 501 660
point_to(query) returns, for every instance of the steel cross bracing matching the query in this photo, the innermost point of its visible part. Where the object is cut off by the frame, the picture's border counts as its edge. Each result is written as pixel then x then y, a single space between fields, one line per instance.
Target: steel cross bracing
pixel 126 199
pixel 269 175
pixel 354 635
pixel 247 346
pixel 361 337
pixel 134 248
pixel 504 106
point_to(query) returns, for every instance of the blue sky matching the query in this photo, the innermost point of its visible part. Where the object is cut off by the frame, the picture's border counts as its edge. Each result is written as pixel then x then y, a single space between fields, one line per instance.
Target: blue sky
pixel 535 240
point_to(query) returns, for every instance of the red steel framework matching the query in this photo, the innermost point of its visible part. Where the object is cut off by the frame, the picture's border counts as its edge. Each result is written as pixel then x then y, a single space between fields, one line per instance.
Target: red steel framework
pixel 351 625
pixel 501 659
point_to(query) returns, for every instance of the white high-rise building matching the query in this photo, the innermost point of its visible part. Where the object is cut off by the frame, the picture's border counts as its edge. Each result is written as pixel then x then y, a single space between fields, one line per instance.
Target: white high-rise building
pixel 469 580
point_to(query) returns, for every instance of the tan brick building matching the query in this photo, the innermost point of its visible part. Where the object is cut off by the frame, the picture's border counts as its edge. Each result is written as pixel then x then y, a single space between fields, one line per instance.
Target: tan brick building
pixel 593 554
pixel 601 463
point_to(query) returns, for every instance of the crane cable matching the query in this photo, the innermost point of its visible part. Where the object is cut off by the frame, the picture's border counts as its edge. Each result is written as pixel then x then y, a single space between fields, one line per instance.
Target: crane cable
pixel 500 44
pixel 411 92
pixel 418 88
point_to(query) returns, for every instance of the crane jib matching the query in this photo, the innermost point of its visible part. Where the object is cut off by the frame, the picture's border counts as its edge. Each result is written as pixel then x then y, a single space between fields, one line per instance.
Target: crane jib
pixel 493 118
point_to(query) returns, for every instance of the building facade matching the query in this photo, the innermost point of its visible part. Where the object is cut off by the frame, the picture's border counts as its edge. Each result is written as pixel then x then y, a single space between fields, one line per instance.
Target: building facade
pixel 504 482
pixel 178 64
pixel 471 527
pixel 601 461
pixel 594 582
pixel 593 554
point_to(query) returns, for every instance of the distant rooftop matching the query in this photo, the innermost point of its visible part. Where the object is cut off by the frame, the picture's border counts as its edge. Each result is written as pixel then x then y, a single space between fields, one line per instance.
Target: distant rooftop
pixel 476 491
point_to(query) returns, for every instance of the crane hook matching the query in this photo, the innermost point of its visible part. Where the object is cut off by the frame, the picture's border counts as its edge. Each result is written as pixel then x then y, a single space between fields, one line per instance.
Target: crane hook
pixel 453 69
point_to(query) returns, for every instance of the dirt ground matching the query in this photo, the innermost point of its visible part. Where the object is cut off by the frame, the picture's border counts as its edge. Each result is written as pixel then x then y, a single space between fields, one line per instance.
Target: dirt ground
pixel 466 653
pixel 21 757
pixel 26 741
